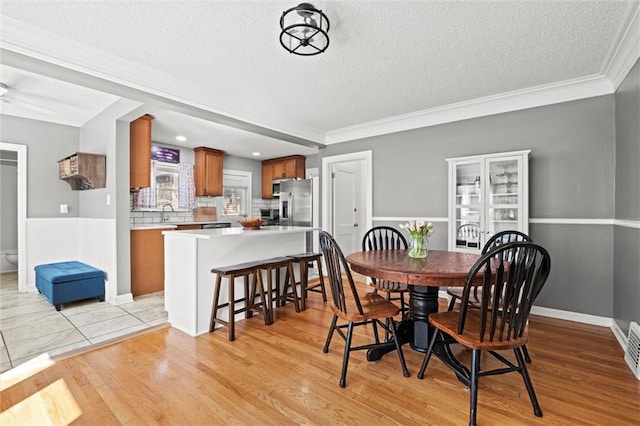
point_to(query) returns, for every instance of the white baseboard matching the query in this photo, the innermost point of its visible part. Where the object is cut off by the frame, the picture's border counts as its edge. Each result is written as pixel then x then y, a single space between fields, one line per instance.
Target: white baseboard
pixel 572 316
pixel 122 299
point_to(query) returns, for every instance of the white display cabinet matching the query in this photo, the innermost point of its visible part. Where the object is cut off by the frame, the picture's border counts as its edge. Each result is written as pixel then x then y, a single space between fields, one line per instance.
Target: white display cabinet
pixel 487 194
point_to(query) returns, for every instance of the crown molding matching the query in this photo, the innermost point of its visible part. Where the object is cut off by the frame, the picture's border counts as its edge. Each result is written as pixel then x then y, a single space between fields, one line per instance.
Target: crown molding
pixel 626 50
pixel 623 55
pixel 565 91
pixel 30 41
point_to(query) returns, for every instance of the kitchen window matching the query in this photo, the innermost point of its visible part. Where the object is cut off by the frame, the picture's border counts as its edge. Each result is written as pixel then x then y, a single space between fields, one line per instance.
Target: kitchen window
pixel 236 194
pixel 171 185
pixel 167 180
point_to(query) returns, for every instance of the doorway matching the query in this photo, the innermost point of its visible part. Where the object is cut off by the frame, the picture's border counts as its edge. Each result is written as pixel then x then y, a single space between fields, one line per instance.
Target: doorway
pixel 21 214
pixel 347 198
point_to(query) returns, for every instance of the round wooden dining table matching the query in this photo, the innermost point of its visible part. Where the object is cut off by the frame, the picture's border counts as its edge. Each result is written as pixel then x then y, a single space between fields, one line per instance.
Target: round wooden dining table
pixel 424 277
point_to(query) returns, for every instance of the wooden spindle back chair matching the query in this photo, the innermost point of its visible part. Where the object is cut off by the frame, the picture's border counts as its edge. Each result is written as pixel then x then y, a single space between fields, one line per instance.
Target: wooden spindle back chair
pixel 348 306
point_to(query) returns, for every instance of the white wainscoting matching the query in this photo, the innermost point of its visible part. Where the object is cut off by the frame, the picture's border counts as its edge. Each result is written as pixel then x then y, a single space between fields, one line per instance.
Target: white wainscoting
pixel 97 247
pixel 88 240
pixel 50 240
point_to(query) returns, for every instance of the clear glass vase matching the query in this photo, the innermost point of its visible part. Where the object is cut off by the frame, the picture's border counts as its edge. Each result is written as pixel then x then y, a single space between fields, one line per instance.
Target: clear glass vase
pixel 418 246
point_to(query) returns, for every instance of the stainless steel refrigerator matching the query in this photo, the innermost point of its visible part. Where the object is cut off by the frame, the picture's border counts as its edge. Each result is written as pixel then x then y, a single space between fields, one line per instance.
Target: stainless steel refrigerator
pixel 296 202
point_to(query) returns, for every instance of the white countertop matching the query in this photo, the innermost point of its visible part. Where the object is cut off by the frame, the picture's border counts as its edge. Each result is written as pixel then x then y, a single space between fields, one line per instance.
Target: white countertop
pixel 230 232
pixel 170 225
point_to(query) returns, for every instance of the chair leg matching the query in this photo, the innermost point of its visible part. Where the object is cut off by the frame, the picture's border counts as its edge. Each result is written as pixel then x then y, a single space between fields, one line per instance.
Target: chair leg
pixel 473 401
pixel 405 371
pixel 330 335
pixel 525 352
pixel 427 356
pixel 374 324
pixel 290 281
pixel 248 313
pixel 452 303
pixel 324 291
pixel 266 309
pixel 232 308
pixel 527 382
pixel 304 283
pixel 389 321
pixel 269 294
pixel 345 359
pixel 214 309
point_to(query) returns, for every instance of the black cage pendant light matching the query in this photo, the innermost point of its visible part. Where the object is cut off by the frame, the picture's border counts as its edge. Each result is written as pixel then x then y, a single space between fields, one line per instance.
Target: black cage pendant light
pixel 305 30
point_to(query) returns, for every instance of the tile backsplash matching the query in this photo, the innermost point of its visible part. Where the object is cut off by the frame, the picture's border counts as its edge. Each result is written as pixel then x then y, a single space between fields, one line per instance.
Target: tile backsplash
pixel 141 217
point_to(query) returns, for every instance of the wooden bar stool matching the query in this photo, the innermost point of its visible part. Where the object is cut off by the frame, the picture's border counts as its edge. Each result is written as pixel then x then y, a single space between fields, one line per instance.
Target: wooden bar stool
pixel 303 260
pixel 246 270
pixel 288 292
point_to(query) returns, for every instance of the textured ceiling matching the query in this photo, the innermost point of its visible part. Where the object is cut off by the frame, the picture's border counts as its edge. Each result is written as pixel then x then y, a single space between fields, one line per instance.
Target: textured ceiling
pixel 386 58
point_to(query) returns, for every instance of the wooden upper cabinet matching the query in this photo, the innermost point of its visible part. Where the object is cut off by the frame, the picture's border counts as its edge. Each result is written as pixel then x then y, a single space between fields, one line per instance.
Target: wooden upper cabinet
pixel 281 168
pixel 208 171
pixel 140 153
pixel 267 178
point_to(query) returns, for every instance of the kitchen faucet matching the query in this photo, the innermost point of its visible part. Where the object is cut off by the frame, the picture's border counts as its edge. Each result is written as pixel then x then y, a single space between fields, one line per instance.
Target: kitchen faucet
pixel 163 215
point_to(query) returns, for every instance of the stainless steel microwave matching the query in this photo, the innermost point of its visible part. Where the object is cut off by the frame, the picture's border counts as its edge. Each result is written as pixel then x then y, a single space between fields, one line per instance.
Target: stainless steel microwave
pixel 275 186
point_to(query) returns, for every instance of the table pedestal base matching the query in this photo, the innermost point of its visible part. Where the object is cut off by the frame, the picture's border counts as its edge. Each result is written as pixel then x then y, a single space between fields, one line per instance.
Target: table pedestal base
pixel 417 331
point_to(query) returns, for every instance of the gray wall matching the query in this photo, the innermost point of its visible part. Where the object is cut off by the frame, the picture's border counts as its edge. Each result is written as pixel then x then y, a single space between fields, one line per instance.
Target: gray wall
pixel 571 174
pixel 46 144
pixel 98 136
pixel 626 289
pixel 245 164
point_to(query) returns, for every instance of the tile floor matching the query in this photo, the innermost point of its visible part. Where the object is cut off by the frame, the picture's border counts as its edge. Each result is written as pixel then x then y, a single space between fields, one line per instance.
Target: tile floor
pixel 30 325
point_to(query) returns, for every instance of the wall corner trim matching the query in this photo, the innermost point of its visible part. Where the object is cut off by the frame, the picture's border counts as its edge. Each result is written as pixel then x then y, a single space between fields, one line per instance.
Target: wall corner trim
pixel 625 50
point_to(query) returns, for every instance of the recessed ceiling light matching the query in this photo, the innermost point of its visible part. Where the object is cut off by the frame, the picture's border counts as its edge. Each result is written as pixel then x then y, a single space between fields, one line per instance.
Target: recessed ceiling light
pixel 256 154
pixel 181 138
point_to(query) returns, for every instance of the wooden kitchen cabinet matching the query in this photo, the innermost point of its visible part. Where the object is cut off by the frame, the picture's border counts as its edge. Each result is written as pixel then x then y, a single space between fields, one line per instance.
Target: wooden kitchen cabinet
pixel 267 178
pixel 281 168
pixel 208 171
pixel 147 261
pixel 140 153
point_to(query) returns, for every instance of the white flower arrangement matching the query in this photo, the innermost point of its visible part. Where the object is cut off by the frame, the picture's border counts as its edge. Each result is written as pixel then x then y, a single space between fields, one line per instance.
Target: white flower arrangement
pixel 419 233
pixel 418 227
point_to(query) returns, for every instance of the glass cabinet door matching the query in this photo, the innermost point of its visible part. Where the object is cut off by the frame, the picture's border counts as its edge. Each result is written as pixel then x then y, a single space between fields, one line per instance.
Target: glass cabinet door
pixel 468 205
pixel 488 194
pixel 503 195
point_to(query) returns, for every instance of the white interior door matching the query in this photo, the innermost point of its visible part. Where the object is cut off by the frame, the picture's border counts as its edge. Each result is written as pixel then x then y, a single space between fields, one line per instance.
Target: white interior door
pixel 344 207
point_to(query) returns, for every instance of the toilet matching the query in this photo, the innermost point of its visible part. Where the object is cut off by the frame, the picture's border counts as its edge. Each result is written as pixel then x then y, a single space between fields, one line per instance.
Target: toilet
pixel 12 257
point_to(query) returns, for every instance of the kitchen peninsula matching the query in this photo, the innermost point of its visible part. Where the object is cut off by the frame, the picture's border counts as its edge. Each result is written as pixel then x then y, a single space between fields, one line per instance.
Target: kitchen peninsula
pixel 191 254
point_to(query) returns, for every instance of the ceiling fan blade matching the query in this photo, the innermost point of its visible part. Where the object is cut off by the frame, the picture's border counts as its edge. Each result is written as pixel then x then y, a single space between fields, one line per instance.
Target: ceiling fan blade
pixel 28 105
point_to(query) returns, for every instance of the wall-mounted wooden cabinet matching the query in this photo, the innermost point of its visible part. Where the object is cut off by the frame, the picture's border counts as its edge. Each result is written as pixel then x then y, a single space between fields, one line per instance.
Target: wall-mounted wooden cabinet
pixel 83 171
pixel 281 168
pixel 140 153
pixel 208 171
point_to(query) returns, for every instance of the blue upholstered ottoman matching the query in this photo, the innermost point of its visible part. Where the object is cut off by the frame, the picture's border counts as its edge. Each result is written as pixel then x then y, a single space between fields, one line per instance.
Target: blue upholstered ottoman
pixel 66 282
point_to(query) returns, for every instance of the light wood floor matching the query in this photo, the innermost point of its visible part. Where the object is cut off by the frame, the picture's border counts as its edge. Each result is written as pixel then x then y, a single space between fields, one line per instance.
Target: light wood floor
pixel 279 375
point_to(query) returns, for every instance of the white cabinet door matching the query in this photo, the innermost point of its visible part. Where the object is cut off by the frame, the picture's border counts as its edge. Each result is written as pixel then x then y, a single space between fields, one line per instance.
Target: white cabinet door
pixel 487 194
